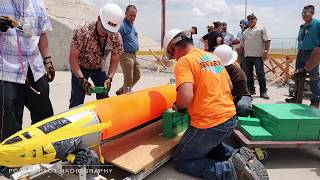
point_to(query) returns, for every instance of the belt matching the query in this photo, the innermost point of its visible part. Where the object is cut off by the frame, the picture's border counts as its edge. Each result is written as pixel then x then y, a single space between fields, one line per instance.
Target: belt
pixel 306 50
pixel 129 52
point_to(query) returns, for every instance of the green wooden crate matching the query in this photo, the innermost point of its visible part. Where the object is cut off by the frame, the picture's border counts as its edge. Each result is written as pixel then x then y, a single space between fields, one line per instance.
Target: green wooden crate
pixel 248 121
pixel 256 133
pixel 289 122
pixel 311 136
pixel 288 112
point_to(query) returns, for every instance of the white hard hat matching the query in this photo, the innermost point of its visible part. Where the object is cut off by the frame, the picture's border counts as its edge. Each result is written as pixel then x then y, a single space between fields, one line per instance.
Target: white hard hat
pixel 111 17
pixel 167 40
pixel 226 54
pixel 173 36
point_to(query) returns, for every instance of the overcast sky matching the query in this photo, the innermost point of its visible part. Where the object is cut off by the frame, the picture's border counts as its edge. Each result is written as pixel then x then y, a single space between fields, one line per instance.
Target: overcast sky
pixel 281 17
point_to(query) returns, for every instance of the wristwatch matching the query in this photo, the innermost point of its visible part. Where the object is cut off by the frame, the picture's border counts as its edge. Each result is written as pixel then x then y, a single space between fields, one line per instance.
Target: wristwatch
pixel 265 51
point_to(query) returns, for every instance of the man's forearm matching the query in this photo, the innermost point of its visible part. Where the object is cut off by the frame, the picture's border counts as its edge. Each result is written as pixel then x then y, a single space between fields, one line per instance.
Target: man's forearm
pixel 313 60
pixel 241 51
pixel 267 45
pixel 113 65
pixel 73 60
pixel 43 45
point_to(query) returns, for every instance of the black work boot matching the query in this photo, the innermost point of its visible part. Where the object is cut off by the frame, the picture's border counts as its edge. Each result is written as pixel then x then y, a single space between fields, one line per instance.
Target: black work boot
pixel 264 95
pixel 291 100
pixel 315 103
pixel 247 166
pixel 252 92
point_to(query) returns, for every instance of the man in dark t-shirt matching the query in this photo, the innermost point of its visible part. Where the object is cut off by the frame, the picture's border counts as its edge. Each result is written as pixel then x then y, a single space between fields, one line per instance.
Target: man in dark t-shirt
pixel 215 38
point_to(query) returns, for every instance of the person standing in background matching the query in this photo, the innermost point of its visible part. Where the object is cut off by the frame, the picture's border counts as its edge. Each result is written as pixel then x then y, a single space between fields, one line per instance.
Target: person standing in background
pixel 215 38
pixel 254 46
pixel 308 40
pixel 228 37
pixel 128 60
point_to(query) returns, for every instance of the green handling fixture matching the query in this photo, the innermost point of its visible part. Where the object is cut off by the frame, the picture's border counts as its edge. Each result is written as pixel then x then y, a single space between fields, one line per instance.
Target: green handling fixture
pixel 97 90
pixel 173 123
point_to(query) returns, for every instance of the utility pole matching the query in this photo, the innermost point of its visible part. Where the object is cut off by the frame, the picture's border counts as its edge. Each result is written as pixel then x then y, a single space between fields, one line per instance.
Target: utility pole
pixel 245 9
pixel 163 21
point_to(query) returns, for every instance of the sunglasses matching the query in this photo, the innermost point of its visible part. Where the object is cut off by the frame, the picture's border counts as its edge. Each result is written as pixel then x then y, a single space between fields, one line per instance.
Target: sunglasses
pixel 251 19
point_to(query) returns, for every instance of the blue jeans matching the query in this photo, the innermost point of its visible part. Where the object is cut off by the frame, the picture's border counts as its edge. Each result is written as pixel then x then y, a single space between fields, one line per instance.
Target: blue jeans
pixel 243 106
pixel 302 59
pixel 247 66
pixel 77 95
pixel 202 153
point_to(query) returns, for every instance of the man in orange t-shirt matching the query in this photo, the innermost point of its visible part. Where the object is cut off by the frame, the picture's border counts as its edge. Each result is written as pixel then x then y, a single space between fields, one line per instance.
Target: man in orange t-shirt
pixel 203 87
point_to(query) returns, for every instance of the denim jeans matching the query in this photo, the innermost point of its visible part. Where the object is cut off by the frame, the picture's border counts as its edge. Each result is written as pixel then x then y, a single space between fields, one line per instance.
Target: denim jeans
pixel 302 59
pixel 202 153
pixel 243 106
pixel 77 95
pixel 247 66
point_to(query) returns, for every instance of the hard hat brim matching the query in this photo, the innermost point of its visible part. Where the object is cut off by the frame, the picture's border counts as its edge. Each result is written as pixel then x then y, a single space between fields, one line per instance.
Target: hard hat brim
pixel 233 59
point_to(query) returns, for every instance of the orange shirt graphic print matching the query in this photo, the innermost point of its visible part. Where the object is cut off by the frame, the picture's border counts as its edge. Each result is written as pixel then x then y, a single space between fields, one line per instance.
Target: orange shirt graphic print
pixel 211 63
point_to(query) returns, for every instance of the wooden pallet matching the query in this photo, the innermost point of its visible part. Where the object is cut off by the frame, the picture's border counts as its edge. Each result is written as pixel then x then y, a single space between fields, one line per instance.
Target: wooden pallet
pixel 141 150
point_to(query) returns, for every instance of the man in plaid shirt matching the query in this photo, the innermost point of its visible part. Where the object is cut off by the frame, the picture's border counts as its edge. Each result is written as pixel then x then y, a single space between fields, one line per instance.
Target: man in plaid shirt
pixel 25 64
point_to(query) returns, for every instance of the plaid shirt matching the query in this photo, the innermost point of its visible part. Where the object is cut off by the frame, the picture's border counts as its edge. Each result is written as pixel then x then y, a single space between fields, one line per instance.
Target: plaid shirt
pixel 29 13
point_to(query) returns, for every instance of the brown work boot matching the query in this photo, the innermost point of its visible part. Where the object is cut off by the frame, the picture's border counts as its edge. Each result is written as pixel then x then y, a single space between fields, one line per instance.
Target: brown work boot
pixel 247 166
pixel 119 92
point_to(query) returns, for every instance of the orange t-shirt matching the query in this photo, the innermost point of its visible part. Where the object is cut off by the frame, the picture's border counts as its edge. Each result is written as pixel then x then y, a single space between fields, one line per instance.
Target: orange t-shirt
pixel 212 103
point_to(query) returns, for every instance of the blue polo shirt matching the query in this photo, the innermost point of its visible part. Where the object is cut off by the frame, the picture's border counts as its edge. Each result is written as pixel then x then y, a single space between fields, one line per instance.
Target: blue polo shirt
pixel 129 37
pixel 309 36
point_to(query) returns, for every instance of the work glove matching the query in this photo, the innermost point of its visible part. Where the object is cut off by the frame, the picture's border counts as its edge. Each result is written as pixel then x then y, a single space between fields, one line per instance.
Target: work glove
pixel 107 84
pixel 5 23
pixel 86 157
pixel 300 74
pixel 175 107
pixel 85 85
pixel 49 68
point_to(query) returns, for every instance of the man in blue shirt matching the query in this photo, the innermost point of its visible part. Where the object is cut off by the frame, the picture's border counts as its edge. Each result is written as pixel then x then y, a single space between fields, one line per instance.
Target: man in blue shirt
pixel 128 60
pixel 308 39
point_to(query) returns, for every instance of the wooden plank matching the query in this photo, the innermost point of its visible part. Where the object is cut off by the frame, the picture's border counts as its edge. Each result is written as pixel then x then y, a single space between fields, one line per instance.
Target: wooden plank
pixel 139 150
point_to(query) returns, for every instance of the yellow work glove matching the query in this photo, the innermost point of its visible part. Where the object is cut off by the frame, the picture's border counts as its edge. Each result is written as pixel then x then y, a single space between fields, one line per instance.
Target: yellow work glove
pixel 85 85
pixel 107 84
pixel 49 68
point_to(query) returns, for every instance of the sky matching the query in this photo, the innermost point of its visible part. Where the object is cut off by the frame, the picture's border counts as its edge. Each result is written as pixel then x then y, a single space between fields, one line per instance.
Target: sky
pixel 280 17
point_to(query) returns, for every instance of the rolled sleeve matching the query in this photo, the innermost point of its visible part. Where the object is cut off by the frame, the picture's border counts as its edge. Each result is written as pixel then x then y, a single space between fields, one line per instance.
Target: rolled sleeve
pixel 265 35
pixel 47 25
pixel 183 72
